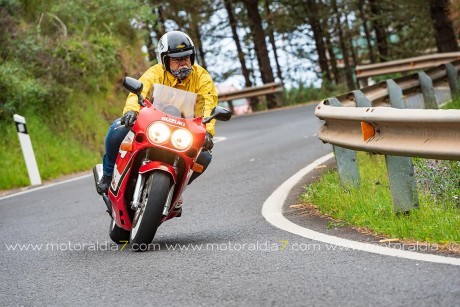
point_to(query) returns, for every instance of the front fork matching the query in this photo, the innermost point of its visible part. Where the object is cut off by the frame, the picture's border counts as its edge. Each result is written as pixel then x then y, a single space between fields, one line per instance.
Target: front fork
pixel 141 178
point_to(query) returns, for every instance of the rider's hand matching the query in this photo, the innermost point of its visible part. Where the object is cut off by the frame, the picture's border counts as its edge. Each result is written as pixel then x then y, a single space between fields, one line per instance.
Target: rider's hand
pixel 129 118
pixel 208 143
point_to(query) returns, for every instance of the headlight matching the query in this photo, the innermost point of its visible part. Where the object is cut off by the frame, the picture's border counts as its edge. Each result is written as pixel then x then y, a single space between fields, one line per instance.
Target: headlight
pixel 158 133
pixel 181 139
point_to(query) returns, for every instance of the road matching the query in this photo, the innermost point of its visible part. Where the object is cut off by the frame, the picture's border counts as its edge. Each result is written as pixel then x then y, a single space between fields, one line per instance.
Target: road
pixel 220 252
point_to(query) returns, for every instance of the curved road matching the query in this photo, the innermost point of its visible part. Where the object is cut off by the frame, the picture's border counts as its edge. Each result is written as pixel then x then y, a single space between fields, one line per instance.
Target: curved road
pixel 230 255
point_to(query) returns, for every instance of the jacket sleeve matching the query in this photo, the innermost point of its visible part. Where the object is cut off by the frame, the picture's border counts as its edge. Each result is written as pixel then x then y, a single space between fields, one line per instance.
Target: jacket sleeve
pixel 147 79
pixel 208 93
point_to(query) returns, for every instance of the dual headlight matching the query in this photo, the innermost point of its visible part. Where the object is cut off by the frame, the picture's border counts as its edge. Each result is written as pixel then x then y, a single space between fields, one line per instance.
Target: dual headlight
pixel 158 133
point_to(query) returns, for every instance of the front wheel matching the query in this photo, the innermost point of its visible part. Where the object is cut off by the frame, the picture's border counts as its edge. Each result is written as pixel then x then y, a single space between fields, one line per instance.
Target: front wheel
pixel 117 234
pixel 156 193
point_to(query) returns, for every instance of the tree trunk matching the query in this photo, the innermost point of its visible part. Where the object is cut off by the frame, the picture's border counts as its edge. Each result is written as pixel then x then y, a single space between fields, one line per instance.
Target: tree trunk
pixel 271 36
pixel 311 10
pixel 380 32
pixel 260 47
pixel 232 22
pixel 254 101
pixel 198 43
pixel 159 25
pixel 366 31
pixel 343 46
pixel 332 59
pixel 444 30
pixel 159 30
pixel 349 36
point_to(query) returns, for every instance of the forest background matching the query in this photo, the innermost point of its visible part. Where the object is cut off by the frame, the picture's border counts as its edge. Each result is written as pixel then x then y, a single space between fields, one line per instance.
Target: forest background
pixel 62 62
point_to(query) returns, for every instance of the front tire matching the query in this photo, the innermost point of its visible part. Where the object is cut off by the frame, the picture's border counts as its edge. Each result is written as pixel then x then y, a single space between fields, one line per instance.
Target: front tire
pixel 117 234
pixel 157 191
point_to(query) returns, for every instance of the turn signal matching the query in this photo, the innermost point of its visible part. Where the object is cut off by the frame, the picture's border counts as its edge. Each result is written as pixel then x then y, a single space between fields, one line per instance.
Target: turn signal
pixel 126 146
pixel 197 168
pixel 368 130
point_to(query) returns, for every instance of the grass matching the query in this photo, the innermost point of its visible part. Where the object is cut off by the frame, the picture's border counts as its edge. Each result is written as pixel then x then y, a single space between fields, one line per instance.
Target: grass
pixel 68 143
pixel 454 104
pixel 56 154
pixel 370 206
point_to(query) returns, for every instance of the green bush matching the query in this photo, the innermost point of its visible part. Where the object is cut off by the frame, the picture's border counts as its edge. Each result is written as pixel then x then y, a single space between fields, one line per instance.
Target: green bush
pixel 60 67
pixel 19 89
pixel 301 92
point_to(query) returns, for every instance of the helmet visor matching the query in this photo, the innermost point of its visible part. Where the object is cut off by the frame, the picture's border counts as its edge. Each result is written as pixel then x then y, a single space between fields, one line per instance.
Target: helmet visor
pixel 180 54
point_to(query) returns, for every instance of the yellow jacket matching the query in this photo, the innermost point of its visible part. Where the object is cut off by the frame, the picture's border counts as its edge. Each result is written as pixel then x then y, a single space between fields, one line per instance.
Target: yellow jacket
pixel 199 81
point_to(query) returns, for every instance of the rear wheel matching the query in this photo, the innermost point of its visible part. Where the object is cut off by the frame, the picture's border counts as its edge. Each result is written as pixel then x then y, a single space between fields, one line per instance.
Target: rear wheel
pixel 156 193
pixel 117 234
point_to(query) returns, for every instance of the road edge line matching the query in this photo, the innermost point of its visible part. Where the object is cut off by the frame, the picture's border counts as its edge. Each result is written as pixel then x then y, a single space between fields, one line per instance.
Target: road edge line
pixel 273 207
pixel 33 189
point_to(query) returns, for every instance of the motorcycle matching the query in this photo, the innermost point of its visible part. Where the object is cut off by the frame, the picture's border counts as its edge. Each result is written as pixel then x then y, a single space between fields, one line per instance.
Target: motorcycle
pixel 155 162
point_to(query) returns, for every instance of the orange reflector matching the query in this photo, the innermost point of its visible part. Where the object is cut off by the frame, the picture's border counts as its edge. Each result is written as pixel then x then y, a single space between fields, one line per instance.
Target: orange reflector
pixel 126 146
pixel 367 130
pixel 197 168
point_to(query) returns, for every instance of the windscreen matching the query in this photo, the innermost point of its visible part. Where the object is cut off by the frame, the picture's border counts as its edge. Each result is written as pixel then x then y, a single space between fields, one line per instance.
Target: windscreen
pixel 173 101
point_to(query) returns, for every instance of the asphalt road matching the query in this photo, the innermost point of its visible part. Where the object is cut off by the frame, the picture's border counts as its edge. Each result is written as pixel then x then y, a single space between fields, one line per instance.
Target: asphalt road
pixel 230 255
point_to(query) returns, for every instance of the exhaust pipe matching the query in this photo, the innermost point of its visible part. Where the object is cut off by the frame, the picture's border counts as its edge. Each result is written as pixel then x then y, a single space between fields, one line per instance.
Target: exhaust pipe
pixel 97 172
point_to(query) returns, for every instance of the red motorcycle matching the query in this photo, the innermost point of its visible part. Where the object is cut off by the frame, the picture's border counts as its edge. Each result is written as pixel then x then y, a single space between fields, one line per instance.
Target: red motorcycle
pixel 155 162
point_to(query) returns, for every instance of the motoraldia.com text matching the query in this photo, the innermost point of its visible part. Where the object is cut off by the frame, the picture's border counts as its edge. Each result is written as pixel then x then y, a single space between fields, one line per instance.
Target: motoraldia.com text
pixel 257 246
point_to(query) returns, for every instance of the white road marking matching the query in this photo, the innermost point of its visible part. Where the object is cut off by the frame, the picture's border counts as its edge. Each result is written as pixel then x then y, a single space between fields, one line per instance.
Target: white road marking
pixel 46 186
pixel 272 212
pixel 216 140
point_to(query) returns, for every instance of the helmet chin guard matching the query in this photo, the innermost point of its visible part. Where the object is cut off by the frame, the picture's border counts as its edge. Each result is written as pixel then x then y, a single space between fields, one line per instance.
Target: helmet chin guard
pixel 174 44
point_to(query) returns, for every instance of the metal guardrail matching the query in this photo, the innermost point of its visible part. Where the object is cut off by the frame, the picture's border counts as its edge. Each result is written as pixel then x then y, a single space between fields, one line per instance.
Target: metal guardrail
pixel 425 61
pixel 269 88
pixel 433 134
pixel 377 119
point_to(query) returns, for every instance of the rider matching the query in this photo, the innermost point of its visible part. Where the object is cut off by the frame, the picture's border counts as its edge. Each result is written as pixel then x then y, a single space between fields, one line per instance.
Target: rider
pixel 176 68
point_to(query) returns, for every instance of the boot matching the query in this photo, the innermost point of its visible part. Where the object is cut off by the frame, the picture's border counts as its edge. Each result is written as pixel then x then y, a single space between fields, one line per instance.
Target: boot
pixel 104 184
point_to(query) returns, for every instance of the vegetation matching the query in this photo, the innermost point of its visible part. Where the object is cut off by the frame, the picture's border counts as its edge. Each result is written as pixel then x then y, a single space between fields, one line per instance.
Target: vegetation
pixel 438 181
pixel 436 221
pixel 61 66
pixel 454 104
pixel 301 93
pixel 62 62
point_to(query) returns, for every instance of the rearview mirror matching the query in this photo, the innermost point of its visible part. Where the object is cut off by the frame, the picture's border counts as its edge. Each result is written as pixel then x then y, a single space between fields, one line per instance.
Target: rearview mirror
pixel 133 85
pixel 218 113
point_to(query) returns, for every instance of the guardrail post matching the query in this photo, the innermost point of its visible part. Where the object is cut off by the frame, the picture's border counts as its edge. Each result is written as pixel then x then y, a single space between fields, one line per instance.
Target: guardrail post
pixel 346 160
pixel 27 150
pixel 400 169
pixel 453 79
pixel 429 97
pixel 361 99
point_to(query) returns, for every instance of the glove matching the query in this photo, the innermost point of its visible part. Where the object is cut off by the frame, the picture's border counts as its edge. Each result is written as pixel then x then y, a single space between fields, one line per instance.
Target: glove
pixel 129 118
pixel 208 143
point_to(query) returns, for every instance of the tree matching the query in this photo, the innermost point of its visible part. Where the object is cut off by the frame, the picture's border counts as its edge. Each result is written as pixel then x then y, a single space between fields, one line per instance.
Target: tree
pixel 380 30
pixel 344 47
pixel 311 10
pixel 271 36
pixel 233 23
pixel 363 17
pixel 260 47
pixel 444 30
pixel 188 16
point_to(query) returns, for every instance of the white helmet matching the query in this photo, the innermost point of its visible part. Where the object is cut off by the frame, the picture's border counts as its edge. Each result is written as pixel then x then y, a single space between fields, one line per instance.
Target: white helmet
pixel 175 44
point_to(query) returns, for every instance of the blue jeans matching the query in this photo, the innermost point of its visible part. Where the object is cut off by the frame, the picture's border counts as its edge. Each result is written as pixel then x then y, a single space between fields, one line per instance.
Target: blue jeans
pixel 113 141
